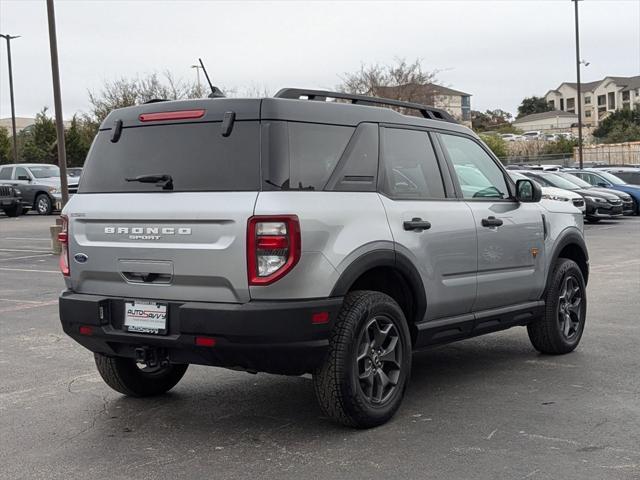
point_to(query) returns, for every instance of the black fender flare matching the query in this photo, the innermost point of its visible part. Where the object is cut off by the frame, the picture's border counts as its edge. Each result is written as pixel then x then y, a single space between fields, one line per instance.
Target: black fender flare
pixel 385 258
pixel 568 237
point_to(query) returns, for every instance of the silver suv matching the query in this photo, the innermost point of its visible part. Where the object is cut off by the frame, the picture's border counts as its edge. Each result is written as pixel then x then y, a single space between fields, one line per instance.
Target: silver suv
pixel 313 232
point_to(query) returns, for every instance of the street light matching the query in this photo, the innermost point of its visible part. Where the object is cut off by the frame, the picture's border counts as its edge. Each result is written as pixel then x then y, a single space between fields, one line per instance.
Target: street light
pixel 578 84
pixel 8 38
pixel 197 67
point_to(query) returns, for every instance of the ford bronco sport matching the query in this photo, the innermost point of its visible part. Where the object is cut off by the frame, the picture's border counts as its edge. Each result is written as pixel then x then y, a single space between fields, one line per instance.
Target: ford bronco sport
pixel 313 232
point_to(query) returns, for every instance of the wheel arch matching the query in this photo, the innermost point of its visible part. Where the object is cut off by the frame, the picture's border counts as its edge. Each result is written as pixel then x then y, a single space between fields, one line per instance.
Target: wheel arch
pixel 389 272
pixel 570 245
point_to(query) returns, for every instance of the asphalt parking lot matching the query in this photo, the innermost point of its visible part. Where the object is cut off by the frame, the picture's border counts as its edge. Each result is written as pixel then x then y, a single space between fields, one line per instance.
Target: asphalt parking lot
pixel 486 408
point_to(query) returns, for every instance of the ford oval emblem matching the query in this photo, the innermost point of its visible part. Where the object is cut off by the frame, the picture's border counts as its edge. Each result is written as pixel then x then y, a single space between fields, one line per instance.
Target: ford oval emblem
pixel 80 258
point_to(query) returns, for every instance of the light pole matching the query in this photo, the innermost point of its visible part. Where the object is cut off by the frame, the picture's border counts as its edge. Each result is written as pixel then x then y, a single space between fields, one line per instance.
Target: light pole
pixel 8 38
pixel 578 84
pixel 197 67
pixel 57 101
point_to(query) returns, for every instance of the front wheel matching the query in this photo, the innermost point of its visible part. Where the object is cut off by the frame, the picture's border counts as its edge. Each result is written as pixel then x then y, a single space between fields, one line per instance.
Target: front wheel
pixel 14 211
pixel 44 205
pixel 364 376
pixel 561 328
pixel 592 219
pixel 126 376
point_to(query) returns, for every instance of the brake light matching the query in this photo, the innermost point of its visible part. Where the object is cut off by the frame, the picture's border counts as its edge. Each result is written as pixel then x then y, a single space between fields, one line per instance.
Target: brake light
pixel 273 247
pixel 63 239
pixel 177 115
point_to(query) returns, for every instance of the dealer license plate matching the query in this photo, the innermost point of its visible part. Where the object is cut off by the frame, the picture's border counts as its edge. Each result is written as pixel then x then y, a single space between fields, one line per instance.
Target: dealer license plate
pixel 142 316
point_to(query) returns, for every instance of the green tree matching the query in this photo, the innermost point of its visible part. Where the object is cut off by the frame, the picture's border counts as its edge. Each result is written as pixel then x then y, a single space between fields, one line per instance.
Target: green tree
pixel 497 145
pixel 492 120
pixel 621 126
pixel 6 151
pixel 40 140
pixel 532 105
pixel 77 142
pixel 562 145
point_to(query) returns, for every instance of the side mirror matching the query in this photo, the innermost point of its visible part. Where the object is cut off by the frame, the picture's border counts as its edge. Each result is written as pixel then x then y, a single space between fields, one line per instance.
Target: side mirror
pixel 602 184
pixel 528 191
pixel 24 177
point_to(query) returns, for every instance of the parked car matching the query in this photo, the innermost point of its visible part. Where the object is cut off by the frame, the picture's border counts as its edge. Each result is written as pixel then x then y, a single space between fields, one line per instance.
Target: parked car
pixel 631 175
pixel 532 135
pixel 511 137
pixel 628 204
pixel 307 236
pixel 565 135
pixel 551 168
pixel 39 184
pixel 598 204
pixel 600 178
pixel 550 137
pixel 556 194
pixel 10 200
pixel 74 172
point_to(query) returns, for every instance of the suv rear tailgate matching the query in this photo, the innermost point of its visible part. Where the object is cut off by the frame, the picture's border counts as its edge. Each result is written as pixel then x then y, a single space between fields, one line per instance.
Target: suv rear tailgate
pixel 185 246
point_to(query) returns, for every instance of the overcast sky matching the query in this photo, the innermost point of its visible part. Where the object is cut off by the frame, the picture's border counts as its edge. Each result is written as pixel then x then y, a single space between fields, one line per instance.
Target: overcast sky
pixel 499 51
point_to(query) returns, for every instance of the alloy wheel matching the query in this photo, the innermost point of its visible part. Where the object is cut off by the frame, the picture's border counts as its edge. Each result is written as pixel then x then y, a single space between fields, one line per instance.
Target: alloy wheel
pixel 570 307
pixel 379 359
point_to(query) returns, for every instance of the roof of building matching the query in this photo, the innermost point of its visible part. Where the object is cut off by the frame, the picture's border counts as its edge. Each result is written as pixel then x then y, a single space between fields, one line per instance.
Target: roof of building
pixel 544 116
pixel 429 89
pixel 630 83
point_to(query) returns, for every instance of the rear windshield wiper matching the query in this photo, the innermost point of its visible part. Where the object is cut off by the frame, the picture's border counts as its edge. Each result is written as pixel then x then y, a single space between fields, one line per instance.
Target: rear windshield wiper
pixel 154 178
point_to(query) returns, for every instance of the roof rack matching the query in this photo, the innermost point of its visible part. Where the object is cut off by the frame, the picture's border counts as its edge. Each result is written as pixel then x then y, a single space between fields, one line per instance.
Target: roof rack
pixel 322 95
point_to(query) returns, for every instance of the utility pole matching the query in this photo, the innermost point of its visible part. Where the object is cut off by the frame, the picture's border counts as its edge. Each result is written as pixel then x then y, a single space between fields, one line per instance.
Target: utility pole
pixel 8 38
pixel 197 67
pixel 55 73
pixel 579 84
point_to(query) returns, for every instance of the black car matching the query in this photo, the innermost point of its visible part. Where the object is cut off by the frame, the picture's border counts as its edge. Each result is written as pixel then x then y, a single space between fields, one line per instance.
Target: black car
pixel 628 203
pixel 10 200
pixel 599 204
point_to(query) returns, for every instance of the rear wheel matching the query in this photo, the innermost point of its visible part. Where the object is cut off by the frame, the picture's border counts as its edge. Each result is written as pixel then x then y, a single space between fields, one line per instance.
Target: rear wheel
pixel 44 205
pixel 14 211
pixel 592 219
pixel 363 379
pixel 561 328
pixel 126 376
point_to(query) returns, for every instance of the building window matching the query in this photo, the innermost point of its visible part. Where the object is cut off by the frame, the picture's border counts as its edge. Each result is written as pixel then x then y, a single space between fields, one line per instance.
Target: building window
pixel 602 100
pixel 552 104
pixel 626 96
pixel 562 104
pixel 587 100
pixel 587 114
pixel 571 104
pixel 612 100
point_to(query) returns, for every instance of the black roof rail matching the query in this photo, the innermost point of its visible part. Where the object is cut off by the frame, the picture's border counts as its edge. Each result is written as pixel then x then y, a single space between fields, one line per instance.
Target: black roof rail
pixel 321 95
pixel 155 100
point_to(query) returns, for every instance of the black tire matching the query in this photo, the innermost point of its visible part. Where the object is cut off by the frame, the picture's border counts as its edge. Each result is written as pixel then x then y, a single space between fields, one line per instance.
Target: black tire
pixel 125 376
pixel 562 326
pixel 43 204
pixel 14 211
pixel 355 370
pixel 592 219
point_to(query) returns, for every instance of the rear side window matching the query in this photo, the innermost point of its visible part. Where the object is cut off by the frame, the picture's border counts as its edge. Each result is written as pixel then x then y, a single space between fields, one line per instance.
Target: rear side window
pixel 195 155
pixel 411 169
pixel 302 156
pixel 5 173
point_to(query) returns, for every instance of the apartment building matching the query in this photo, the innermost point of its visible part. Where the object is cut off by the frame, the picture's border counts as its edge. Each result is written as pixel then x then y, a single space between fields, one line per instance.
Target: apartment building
pixel 599 98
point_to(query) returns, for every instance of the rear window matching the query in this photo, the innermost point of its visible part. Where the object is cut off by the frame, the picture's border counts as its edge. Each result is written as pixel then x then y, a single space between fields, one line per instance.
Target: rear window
pixel 195 155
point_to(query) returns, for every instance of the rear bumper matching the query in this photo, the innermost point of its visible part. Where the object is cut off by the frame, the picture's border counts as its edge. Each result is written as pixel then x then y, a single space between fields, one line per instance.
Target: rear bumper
pixel 273 336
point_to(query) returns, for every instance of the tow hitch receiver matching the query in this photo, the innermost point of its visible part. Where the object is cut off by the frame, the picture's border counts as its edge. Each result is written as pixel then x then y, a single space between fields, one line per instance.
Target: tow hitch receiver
pixel 152 357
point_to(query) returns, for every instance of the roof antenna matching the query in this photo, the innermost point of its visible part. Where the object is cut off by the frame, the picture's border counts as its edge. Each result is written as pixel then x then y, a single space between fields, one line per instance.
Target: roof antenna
pixel 215 91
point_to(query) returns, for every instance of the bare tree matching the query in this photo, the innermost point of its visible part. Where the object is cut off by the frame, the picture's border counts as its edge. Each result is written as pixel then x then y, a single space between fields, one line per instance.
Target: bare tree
pixel 408 82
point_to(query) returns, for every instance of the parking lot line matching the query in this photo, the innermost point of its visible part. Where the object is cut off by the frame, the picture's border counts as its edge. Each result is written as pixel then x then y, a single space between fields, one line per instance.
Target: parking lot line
pixel 23 250
pixel 27 256
pixel 38 239
pixel 28 270
pixel 24 306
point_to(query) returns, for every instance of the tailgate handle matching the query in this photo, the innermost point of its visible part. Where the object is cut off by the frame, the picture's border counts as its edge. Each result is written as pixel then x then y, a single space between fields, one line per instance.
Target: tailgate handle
pixel 147 277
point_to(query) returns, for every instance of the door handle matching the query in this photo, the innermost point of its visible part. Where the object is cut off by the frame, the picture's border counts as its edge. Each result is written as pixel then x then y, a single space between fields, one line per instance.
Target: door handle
pixel 416 224
pixel 491 222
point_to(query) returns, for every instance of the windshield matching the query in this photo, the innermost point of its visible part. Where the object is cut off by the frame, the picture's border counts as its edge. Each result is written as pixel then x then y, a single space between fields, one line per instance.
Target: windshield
pixel 612 178
pixel 573 179
pixel 45 171
pixel 560 182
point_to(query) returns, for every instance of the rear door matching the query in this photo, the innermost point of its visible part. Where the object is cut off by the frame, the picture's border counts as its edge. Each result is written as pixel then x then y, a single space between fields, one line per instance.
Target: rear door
pixel 429 225
pixel 188 243
pixel 510 234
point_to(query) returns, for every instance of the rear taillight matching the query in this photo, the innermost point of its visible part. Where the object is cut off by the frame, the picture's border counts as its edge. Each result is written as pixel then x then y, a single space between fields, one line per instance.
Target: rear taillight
pixel 273 247
pixel 63 239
